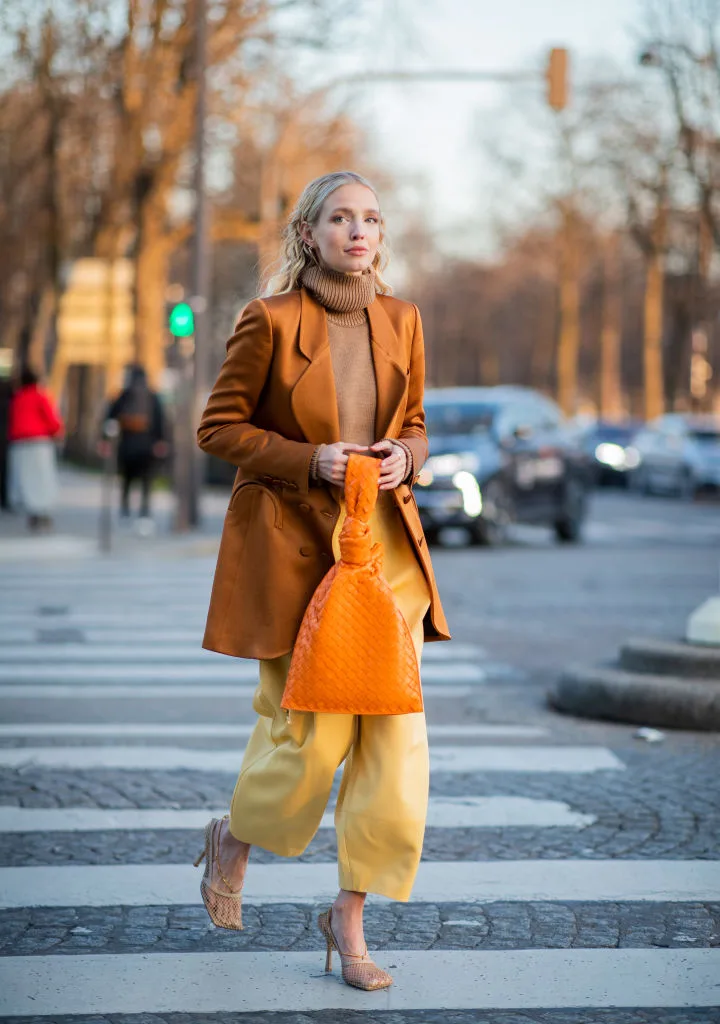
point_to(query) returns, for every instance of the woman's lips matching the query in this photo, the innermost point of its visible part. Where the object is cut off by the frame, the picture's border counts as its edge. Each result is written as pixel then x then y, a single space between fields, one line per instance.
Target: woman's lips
pixel 356 252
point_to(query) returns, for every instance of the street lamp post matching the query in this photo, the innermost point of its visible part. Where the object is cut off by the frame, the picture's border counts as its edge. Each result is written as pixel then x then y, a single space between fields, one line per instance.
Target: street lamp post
pixel 192 374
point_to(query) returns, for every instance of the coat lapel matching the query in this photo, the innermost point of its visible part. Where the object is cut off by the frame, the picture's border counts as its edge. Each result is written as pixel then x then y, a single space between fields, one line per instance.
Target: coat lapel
pixel 313 399
pixel 390 369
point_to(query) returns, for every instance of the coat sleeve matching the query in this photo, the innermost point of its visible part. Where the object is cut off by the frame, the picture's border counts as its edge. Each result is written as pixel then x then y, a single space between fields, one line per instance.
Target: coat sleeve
pixel 413 429
pixel 226 429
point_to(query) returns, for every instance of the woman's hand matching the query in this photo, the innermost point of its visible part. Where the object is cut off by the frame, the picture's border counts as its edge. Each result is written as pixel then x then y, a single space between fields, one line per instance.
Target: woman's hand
pixel 333 459
pixel 394 467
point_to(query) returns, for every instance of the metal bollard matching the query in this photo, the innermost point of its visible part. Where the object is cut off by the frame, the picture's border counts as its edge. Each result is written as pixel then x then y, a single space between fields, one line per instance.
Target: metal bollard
pixel 111 432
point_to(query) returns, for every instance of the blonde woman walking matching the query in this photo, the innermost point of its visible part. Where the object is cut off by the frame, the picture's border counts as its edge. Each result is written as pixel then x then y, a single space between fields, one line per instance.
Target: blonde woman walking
pixel 327 364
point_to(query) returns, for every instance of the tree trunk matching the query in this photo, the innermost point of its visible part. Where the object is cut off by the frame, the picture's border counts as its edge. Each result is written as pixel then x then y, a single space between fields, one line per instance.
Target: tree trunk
pixel 611 334
pixel 152 269
pixel 653 336
pixel 569 335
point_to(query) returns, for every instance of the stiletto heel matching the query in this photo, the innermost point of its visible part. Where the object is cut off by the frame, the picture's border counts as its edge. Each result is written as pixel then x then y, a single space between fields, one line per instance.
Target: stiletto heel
pixel 224 907
pixel 358 969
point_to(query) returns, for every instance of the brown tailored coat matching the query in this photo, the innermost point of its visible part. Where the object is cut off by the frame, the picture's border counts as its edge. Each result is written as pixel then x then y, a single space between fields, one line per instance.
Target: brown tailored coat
pixel 273 402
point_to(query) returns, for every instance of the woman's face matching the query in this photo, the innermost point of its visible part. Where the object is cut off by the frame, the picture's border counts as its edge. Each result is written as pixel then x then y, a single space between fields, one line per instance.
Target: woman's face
pixel 346 235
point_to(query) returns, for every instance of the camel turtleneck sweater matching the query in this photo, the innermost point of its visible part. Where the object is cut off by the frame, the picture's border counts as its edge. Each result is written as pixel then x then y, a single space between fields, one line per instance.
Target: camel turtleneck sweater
pixel 345 298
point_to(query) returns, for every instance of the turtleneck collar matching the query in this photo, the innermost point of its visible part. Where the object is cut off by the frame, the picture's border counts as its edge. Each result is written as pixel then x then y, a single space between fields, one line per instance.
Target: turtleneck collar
pixel 344 296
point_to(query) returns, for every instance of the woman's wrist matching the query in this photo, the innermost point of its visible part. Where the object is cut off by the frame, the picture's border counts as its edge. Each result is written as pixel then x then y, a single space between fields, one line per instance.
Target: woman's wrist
pixel 409 461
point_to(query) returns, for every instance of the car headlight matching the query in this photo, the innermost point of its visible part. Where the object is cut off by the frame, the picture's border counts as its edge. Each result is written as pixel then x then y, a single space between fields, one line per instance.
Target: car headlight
pixel 632 458
pixel 612 455
pixel 449 465
pixel 470 490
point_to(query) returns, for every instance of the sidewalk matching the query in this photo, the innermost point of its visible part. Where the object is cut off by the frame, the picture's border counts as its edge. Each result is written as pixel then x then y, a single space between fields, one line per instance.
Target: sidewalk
pixel 77 526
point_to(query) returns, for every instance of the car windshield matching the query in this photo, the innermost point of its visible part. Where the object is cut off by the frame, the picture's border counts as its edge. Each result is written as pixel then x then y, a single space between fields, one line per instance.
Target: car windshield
pixel 706 436
pixel 446 419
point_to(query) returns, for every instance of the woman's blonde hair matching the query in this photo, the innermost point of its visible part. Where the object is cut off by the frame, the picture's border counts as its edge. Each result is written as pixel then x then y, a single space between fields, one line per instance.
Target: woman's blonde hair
pixel 295 255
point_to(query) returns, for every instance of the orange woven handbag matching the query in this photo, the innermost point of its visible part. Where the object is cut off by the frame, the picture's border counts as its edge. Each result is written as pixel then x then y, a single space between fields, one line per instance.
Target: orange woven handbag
pixel 354 653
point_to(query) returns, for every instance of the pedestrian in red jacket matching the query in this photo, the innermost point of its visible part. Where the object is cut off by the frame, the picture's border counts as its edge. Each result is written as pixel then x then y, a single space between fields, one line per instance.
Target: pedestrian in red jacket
pixel 33 423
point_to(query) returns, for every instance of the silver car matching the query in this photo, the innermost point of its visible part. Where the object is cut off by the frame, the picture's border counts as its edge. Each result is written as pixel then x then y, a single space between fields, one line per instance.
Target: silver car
pixel 677 454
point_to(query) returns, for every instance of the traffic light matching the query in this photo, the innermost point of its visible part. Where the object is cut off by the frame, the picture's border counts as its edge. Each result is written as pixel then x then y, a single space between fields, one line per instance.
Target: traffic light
pixel 181 320
pixel 557 78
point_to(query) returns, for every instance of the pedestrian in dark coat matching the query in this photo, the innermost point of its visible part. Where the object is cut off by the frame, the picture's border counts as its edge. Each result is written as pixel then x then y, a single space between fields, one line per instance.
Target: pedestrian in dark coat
pixel 139 415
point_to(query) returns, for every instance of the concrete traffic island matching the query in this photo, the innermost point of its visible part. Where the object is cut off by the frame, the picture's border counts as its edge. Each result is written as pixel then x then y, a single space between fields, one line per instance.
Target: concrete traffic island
pixel 672 684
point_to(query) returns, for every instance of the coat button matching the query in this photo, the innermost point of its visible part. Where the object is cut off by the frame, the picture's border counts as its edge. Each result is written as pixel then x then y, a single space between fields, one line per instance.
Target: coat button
pixel 420 541
pixel 306 552
pixel 406 498
pixel 304 507
pixel 329 515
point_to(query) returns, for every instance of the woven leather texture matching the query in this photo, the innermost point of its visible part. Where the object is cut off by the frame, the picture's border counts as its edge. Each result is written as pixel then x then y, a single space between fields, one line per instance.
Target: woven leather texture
pixel 354 653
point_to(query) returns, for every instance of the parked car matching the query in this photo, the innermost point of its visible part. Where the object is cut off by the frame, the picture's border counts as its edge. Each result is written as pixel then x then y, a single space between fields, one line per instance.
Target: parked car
pixel 500 455
pixel 611 451
pixel 678 453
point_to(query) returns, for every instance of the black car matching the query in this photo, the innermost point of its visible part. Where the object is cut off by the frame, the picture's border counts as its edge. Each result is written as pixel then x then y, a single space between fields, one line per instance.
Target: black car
pixel 610 449
pixel 500 455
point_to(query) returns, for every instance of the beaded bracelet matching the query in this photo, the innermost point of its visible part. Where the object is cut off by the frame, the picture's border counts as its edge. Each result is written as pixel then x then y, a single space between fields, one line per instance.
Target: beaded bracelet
pixel 312 470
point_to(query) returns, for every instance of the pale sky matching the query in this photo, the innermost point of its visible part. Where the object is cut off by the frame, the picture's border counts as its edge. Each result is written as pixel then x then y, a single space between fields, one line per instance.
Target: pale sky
pixel 430 130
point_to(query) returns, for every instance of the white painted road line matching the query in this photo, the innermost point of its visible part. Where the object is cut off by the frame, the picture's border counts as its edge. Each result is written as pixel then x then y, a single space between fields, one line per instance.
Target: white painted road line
pixel 442 759
pixel 147 691
pixel 443 812
pixel 518 881
pixel 444 980
pixel 212 670
pixel 131 645
pixel 25 730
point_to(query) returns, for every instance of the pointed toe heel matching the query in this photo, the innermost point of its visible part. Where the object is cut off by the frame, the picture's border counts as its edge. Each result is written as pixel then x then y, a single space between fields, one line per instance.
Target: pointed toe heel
pixel 223 906
pixel 358 970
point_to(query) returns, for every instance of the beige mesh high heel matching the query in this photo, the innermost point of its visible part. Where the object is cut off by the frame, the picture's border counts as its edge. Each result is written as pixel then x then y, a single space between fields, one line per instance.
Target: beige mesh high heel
pixel 357 970
pixel 224 907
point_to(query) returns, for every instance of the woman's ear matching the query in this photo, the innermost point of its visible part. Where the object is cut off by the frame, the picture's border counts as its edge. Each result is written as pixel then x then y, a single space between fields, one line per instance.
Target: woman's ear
pixel 306 233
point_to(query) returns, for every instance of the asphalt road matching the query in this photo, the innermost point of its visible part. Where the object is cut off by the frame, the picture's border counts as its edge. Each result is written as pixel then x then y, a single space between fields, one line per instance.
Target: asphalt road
pixel 571 871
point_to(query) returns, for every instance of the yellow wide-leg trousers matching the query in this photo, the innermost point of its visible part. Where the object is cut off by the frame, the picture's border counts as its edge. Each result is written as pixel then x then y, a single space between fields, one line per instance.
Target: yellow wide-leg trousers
pixel 290 762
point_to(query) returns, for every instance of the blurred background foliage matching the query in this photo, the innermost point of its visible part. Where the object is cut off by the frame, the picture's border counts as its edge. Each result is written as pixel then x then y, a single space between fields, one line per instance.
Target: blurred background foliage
pixel 602 289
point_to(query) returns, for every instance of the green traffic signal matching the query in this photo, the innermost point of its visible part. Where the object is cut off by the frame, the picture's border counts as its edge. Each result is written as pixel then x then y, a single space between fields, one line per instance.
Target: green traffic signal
pixel 182 321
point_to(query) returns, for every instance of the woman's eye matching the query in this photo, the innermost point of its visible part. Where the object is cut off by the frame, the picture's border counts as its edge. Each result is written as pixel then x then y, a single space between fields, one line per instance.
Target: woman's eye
pixel 373 220
pixel 338 218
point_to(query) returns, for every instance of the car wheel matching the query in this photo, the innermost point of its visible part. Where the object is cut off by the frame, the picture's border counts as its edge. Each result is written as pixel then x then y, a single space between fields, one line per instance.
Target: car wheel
pixel 491 528
pixel 568 528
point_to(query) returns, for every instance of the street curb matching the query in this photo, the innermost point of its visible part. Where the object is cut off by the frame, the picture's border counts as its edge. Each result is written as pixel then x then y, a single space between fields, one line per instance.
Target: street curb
pixel 610 693
pixel 670 658
pixel 18 551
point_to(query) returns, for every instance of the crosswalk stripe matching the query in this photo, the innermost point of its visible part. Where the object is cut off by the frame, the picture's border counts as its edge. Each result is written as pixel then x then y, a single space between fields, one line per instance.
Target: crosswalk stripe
pixel 190 730
pixel 135 635
pixel 160 644
pixel 443 812
pixel 140 691
pixel 93 885
pixel 457 759
pixel 445 980
pixel 210 668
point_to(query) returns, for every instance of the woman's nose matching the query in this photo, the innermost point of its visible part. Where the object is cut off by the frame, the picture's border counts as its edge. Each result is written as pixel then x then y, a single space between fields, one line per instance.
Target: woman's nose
pixel 357 230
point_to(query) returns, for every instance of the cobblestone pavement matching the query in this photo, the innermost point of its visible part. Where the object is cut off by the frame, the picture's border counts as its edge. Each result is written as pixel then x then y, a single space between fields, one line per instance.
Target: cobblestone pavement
pixel 663 806
pixel 655 1016
pixel 286 926
pixel 532 607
